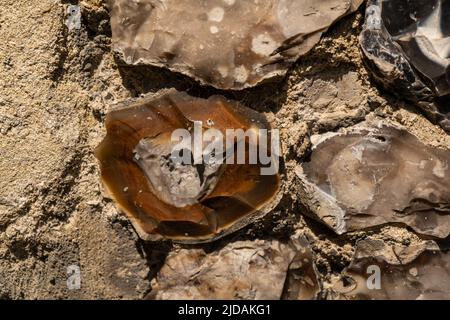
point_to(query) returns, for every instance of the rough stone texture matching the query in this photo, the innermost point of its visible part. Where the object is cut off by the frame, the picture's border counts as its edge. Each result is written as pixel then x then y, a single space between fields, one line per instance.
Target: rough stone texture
pixel 417 272
pixel 407 45
pixel 373 174
pixel 234 272
pixel 56 87
pixel 51 214
pixel 222 43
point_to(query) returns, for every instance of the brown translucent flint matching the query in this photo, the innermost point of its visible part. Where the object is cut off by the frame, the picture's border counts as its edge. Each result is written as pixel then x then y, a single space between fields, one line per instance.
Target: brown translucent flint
pixel 392 272
pixel 189 203
pixel 227 44
pixel 373 174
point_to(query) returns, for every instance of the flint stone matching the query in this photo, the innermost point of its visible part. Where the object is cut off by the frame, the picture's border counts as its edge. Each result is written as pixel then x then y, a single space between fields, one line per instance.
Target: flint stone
pixel 223 43
pixel 373 174
pixel 392 272
pixel 252 270
pixel 407 43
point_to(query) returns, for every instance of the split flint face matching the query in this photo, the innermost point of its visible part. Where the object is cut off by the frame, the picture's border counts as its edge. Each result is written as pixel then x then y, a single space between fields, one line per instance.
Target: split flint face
pixel 227 44
pixel 392 272
pixel 407 43
pixel 242 269
pixel 187 201
pixel 374 174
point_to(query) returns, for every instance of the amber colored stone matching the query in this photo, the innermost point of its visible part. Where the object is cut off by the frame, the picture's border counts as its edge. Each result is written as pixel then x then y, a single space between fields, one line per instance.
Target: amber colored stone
pixel 191 203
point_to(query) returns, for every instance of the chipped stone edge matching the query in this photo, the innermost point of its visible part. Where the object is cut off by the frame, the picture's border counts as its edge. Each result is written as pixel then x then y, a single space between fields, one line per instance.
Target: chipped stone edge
pixel 189 72
pixel 322 206
pixel 260 213
pixel 381 254
pixel 411 255
pixel 272 76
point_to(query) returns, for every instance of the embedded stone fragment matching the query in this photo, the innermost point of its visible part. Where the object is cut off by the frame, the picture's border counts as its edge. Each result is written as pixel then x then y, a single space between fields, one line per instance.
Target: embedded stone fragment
pixel 302 281
pixel 222 43
pixel 178 170
pixel 385 272
pixel 407 43
pixel 374 174
pixel 73 20
pixel 241 270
